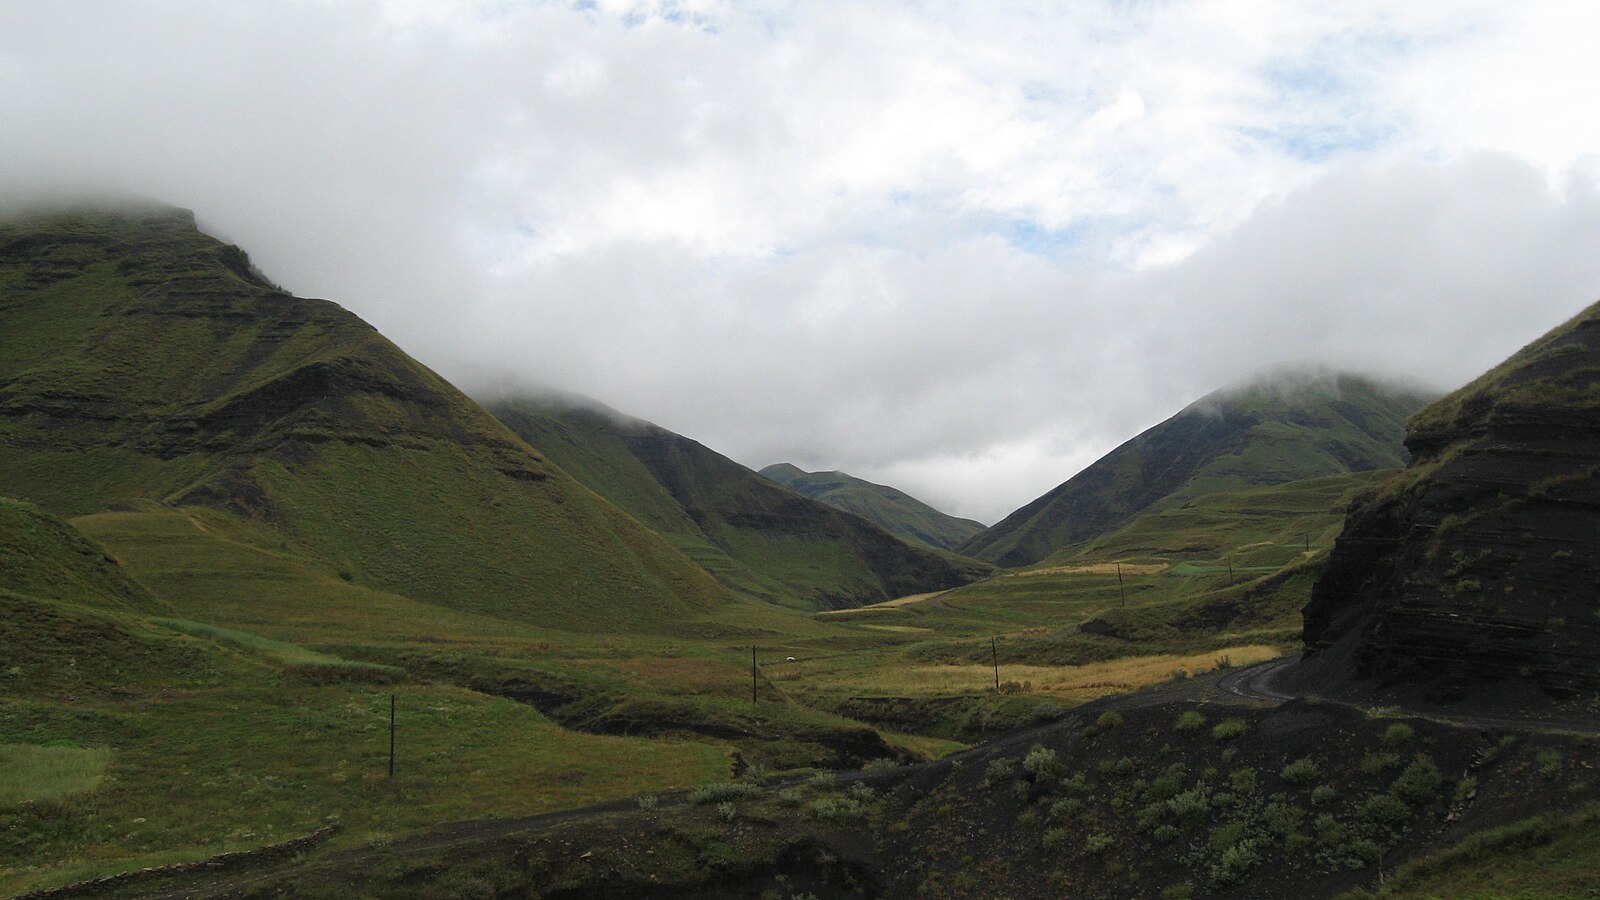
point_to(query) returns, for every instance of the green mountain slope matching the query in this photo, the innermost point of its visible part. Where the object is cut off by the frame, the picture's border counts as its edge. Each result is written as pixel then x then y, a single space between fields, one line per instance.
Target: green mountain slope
pixel 1256 435
pixel 42 556
pixel 1478 563
pixel 143 359
pixel 750 533
pixel 896 512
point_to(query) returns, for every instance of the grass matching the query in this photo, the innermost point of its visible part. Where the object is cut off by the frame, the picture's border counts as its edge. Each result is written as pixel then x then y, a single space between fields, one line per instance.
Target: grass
pixel 291 655
pixel 29 772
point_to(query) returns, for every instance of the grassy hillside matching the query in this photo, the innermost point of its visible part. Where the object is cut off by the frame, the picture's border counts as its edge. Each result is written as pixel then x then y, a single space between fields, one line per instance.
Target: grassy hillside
pixel 142 359
pixel 896 512
pixel 1256 435
pixel 750 533
pixel 42 556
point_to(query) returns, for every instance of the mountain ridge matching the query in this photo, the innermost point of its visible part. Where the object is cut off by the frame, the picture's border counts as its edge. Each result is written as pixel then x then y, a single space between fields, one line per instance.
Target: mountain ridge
pixel 894 510
pixel 1238 437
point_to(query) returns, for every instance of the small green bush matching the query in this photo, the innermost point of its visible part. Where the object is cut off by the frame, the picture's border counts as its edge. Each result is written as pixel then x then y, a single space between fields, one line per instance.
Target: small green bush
pixel 1385 810
pixel 727 812
pixel 1465 790
pixel 999 770
pixel 1243 780
pixel 1235 863
pixel 1065 808
pixel 1373 763
pixel 1323 793
pixel 1189 805
pixel 1098 842
pixel 1301 771
pixel 1190 720
pixel 647 802
pixel 1055 839
pixel 1283 818
pixel 1396 734
pixel 1420 781
pixel 882 764
pixel 1108 720
pixel 1042 766
pixel 1549 762
pixel 728 790
pixel 1228 729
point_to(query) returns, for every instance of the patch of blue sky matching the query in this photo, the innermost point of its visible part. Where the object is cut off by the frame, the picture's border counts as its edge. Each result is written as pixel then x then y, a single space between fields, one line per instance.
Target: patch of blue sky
pixel 1321 141
pixel 1073 240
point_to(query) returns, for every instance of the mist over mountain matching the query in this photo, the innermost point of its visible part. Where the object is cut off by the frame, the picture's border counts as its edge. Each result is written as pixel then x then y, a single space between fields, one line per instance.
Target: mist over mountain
pixel 750 533
pixel 1477 565
pixel 144 361
pixel 898 512
pixel 1287 427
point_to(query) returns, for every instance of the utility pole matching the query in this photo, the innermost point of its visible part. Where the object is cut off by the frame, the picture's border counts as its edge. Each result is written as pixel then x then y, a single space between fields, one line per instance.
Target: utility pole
pixel 994 654
pixel 752 677
pixel 1121 591
pixel 1230 567
pixel 1307 536
pixel 391 737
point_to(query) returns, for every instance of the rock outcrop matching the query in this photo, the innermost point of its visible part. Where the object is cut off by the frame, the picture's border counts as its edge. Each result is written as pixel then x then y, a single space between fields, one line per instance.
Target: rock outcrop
pixel 1480 563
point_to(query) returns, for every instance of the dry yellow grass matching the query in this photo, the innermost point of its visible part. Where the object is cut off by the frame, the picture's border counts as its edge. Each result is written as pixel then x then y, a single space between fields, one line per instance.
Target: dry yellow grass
pixel 1096 569
pixel 896 603
pixel 1073 683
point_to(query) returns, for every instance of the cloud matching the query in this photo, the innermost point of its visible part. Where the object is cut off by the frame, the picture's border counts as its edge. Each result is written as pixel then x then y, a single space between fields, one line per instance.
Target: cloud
pixel 960 249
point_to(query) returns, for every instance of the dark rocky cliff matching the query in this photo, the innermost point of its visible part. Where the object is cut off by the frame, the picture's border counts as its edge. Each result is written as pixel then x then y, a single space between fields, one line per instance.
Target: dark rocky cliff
pixel 1479 565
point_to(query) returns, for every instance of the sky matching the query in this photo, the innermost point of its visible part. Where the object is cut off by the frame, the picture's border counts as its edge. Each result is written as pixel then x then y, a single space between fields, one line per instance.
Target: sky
pixel 961 248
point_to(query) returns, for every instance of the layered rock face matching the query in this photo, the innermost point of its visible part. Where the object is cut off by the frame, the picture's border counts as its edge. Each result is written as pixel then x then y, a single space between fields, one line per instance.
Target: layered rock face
pixel 1481 562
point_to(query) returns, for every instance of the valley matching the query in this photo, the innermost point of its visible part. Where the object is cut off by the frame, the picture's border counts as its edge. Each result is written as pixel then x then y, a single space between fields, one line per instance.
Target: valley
pixel 240 527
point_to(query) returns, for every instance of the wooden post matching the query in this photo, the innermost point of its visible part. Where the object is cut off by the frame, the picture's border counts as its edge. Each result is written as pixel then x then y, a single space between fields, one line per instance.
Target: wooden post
pixel 1230 567
pixel 391 737
pixel 994 654
pixel 752 677
pixel 1307 536
pixel 1121 591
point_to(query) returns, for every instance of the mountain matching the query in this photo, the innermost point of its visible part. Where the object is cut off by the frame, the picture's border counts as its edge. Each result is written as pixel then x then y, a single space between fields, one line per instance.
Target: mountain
pixel 897 512
pixel 1267 432
pixel 751 533
pixel 142 360
pixel 1479 562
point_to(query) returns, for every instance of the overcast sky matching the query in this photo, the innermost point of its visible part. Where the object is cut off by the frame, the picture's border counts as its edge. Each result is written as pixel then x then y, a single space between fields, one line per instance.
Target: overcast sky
pixel 962 248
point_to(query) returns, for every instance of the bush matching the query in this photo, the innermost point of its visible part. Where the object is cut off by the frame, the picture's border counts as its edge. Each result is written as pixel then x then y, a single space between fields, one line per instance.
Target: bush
pixel 1323 793
pixel 1190 720
pixel 728 790
pixel 1549 763
pixel 835 808
pixel 1056 839
pixel 726 812
pixel 1235 862
pixel 1301 771
pixel 1098 842
pixel 1396 734
pixel 1042 766
pixel 1065 808
pixel 1120 766
pixel 1283 818
pixel 1466 789
pixel 1373 763
pixel 1420 781
pixel 1108 720
pixel 1384 810
pixel 1166 834
pixel 882 764
pixel 999 770
pixel 1228 729
pixel 1243 781
pixel 1189 805
pixel 647 802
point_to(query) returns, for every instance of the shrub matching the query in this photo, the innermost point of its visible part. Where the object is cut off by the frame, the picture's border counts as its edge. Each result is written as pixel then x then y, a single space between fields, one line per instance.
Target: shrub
pixel 1108 720
pixel 1183 891
pixel 1283 818
pixel 999 770
pixel 1235 862
pixel 1224 663
pixel 1373 763
pixel 1384 810
pixel 1166 834
pixel 881 764
pixel 1301 771
pixel 1420 781
pixel 1466 789
pixel 647 802
pixel 728 790
pixel 1064 808
pixel 726 811
pixel 1042 766
pixel 1243 780
pixel 1189 805
pixel 1190 720
pixel 1396 734
pixel 1323 793
pixel 833 808
pixel 1228 729
pixel 862 792
pixel 1056 839
pixel 1098 842
pixel 1120 766
pixel 1549 763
